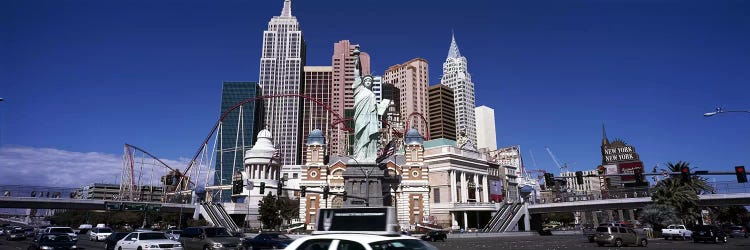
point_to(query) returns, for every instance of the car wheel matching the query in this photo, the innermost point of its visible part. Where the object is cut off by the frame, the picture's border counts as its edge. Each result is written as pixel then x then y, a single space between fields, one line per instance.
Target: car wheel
pixel 644 242
pixel 208 248
pixel 618 242
pixel 106 246
pixel 600 244
pixel 666 237
pixel 119 248
pixel 696 240
pixel 139 248
pixel 591 239
pixel 716 239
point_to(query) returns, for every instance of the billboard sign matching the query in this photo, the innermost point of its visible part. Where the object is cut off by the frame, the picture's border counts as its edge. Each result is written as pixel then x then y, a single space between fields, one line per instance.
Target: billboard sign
pixel 361 219
pixel 628 168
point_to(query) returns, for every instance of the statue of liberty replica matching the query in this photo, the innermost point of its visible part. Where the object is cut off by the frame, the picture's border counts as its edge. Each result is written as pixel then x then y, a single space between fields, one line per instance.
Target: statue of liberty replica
pixel 363 177
pixel 366 112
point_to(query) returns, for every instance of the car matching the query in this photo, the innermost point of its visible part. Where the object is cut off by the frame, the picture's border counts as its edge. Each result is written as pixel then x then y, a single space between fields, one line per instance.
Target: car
pixel 737 231
pixel 112 239
pixel 147 240
pixel 707 233
pixel 66 230
pixel 589 232
pixel 29 232
pixel 359 241
pixel 200 238
pixel 173 234
pixel 53 241
pixel 99 234
pixel 15 234
pixel 435 236
pixel 82 229
pixel 674 231
pixel 618 236
pixel 267 240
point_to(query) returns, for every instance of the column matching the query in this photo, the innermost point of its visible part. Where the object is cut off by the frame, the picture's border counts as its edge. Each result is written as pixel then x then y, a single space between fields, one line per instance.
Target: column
pixel 621 215
pixel 631 213
pixel 453 219
pixel 609 216
pixel 452 177
pixel 485 188
pixel 476 188
pixel 466 220
pixel 464 190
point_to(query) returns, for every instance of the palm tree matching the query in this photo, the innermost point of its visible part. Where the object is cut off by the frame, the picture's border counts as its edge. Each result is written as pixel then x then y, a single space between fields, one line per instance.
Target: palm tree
pixel 680 195
pixel 699 184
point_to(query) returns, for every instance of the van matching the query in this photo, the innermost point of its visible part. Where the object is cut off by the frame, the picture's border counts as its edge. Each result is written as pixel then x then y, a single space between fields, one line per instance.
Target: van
pixel 199 238
pixel 618 236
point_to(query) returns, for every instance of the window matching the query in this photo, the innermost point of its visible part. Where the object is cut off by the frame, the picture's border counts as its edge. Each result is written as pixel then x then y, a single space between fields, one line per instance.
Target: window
pixel 316 244
pixel 436 194
pixel 349 245
pixel 622 230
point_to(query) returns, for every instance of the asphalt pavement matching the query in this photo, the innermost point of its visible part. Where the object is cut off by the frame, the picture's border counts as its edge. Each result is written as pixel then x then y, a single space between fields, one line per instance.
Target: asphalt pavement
pixel 577 242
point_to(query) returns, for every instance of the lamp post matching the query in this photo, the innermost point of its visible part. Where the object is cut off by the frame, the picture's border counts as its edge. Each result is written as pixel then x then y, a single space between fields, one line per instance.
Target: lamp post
pixel 721 110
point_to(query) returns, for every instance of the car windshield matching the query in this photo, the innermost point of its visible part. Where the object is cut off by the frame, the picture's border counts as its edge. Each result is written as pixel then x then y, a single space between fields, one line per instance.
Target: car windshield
pixel 602 229
pixel 736 228
pixel 217 232
pixel 105 230
pixel 401 244
pixel 61 230
pixel 152 236
pixel 56 238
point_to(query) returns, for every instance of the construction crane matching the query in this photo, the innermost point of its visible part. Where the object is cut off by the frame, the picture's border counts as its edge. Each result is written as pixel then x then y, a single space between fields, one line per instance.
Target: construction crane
pixel 565 166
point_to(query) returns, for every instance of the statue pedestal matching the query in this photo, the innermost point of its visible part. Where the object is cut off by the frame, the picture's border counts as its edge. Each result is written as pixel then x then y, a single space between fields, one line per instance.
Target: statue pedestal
pixel 356 179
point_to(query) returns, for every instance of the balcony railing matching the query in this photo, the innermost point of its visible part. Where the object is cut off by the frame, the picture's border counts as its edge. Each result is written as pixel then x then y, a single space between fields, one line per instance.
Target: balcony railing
pixel 473 204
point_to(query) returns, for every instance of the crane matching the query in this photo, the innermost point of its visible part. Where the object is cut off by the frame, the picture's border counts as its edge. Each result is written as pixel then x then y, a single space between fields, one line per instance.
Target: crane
pixel 555 159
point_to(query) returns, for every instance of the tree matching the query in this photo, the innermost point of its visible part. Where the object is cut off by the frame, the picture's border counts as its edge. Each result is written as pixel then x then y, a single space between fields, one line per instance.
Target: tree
pixel 683 197
pixel 270 212
pixel 658 215
pixel 289 209
pixel 732 214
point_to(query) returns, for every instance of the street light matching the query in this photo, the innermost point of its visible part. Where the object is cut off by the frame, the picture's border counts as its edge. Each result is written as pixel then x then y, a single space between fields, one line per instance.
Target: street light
pixel 721 110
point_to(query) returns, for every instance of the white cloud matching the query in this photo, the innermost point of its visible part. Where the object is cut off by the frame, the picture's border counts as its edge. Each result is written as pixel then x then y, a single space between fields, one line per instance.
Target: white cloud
pixel 61 168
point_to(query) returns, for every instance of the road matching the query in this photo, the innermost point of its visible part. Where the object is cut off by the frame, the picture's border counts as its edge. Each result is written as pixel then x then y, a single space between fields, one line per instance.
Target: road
pixel 576 242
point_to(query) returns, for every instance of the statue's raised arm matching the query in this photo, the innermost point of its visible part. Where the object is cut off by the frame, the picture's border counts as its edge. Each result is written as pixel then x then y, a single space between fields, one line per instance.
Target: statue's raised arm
pixel 357 76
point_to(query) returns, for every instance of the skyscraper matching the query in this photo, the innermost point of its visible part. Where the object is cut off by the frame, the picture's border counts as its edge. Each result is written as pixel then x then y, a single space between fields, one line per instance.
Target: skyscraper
pixel 318 81
pixel 411 78
pixel 486 128
pixel 281 63
pixel 456 76
pixel 342 95
pixel 235 135
pixel 442 112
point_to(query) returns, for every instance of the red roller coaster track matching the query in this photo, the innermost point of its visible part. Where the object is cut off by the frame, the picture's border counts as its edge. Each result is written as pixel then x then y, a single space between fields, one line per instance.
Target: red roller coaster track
pixel 338 120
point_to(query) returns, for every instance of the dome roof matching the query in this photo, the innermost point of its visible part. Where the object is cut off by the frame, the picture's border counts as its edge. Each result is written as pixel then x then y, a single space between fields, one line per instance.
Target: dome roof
pixel 413 137
pixel 316 138
pixel 262 151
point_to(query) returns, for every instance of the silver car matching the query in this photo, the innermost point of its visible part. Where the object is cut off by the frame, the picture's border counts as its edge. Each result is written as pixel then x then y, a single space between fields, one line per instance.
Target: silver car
pixel 618 236
pixel 737 231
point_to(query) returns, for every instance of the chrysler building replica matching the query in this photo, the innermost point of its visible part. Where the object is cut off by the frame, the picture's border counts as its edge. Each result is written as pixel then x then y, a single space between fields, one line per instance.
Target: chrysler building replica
pixel 458 78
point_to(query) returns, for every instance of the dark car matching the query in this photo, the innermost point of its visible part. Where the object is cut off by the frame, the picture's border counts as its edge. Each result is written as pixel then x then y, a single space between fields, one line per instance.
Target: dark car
pixel 435 236
pixel 52 241
pixel 15 234
pixel 709 234
pixel 737 231
pixel 112 239
pixel 267 240
pixel 29 232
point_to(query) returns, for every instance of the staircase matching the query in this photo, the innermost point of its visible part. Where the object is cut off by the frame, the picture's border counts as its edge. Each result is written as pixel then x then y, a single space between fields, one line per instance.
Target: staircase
pixel 216 215
pixel 504 218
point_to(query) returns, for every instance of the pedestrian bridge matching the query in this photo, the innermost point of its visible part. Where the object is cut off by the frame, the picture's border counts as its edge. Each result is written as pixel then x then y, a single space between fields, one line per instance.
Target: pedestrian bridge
pixel 79 204
pixel 634 203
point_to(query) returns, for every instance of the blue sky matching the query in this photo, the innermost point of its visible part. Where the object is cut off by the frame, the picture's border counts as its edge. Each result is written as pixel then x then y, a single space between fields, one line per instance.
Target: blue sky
pixel 88 76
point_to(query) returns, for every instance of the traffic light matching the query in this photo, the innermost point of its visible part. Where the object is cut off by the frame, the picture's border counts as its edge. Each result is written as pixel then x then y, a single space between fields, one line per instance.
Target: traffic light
pixel 279 189
pixel 549 179
pixel 344 195
pixel 262 190
pixel 579 177
pixel 325 192
pixel 302 191
pixel 638 174
pixel 741 174
pixel 685 172
pixel 237 187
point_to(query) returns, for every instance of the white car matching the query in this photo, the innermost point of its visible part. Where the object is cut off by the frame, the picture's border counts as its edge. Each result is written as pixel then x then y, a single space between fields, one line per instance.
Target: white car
pixel 359 241
pixel 99 234
pixel 147 240
pixel 66 230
